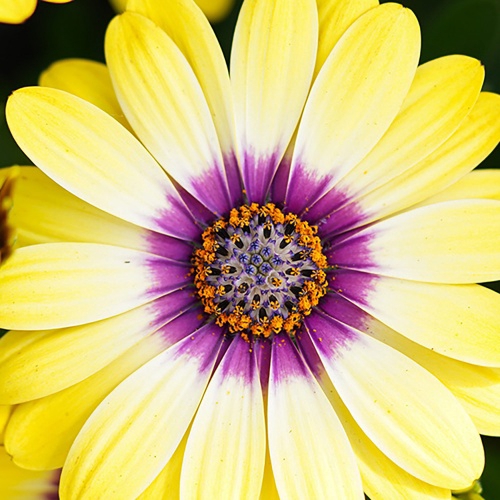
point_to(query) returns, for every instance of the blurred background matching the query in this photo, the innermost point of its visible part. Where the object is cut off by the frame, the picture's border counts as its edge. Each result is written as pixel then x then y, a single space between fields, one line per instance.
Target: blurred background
pixel 470 27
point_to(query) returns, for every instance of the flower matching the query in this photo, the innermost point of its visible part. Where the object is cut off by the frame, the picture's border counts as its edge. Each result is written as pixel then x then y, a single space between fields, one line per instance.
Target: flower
pixel 17 11
pixel 215 10
pixel 248 285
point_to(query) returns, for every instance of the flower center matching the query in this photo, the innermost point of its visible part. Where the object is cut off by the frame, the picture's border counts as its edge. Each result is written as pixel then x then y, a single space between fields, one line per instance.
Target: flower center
pixel 260 271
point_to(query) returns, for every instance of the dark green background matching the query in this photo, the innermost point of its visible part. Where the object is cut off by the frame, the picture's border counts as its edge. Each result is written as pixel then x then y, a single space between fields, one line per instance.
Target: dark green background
pixel 470 27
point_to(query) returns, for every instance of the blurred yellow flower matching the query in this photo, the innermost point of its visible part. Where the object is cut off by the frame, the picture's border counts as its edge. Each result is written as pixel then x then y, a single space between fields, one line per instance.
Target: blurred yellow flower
pixel 17 11
pixel 215 10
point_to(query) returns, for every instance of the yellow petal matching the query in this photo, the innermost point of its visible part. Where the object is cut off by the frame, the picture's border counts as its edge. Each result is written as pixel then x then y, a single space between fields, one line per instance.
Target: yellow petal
pixel 161 397
pixel 382 478
pixel 335 16
pixel 310 454
pixel 409 415
pixel 44 212
pixel 66 356
pixel 274 43
pixel 16 11
pixel 165 105
pixel 442 94
pixel 477 388
pixel 91 155
pixel 87 79
pixel 483 183
pixel 226 448
pixel 349 108
pixel 41 432
pixel 450 242
pixel 215 10
pixel 22 484
pixel 459 321
pixel 188 28
pixel 5 411
pixel 167 483
pixel 476 137
pixel 66 284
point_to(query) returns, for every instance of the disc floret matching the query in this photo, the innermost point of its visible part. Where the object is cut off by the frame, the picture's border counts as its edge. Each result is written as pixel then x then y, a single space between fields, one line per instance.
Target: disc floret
pixel 260 271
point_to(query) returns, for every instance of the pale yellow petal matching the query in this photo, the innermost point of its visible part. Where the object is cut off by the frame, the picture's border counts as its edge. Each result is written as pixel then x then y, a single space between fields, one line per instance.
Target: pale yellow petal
pixel 41 432
pixel 23 484
pixel 310 453
pixel 442 94
pixel 274 43
pixel 91 155
pixel 459 321
pixel 44 212
pixel 450 242
pixel 165 105
pixel 476 137
pixel 226 448
pixel 482 183
pixel 56 285
pixel 382 478
pixel 162 397
pixel 189 29
pixel 402 408
pixel 349 108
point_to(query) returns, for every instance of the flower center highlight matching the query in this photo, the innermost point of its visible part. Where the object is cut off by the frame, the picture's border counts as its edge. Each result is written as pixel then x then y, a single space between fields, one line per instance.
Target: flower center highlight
pixel 260 271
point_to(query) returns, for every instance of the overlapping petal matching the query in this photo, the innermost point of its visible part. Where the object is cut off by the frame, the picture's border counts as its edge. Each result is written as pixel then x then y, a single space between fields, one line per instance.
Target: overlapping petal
pixel 165 105
pixel 403 409
pixel 348 109
pixel 67 284
pixel 266 110
pixel 226 448
pixel 91 155
pixel 162 397
pixel 451 242
pixel 310 454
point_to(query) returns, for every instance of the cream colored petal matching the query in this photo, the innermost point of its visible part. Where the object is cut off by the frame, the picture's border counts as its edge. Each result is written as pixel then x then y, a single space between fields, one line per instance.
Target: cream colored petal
pixel 482 183
pixel 442 94
pixel 450 242
pixel 409 415
pixel 16 11
pixel 335 16
pixel 160 397
pixel 459 321
pixel 226 449
pixel 86 79
pixel 349 108
pixel 56 285
pixel 41 432
pixel 310 454
pixel 272 61
pixel 91 155
pixel 165 105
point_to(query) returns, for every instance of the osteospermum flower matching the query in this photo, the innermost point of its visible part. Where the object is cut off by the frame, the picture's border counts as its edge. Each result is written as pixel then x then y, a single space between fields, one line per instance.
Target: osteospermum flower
pixel 17 11
pixel 256 285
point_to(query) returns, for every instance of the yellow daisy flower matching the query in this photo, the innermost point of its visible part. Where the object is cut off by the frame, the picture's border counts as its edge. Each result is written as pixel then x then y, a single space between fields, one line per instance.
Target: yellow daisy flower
pixel 215 10
pixel 263 284
pixel 17 11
